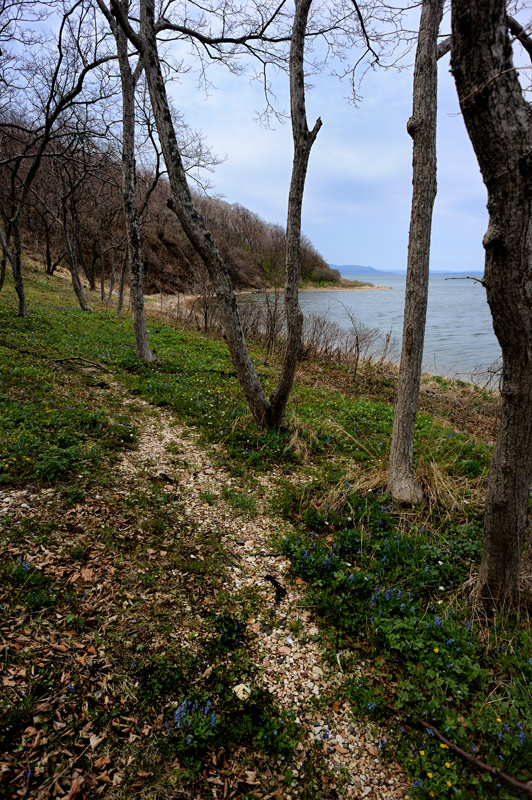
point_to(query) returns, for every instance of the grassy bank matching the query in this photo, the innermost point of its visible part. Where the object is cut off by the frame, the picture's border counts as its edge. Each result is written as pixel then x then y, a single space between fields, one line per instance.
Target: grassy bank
pixel 99 570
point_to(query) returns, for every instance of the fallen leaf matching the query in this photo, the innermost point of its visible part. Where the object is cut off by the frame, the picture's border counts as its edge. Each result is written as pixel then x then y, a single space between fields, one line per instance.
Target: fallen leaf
pixel 75 789
pixel 94 741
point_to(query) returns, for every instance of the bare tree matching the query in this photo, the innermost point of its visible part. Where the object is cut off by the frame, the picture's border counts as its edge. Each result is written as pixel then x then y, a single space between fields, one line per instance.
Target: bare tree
pixel 53 85
pixel 266 411
pixel 499 123
pixel 129 78
pixel 402 483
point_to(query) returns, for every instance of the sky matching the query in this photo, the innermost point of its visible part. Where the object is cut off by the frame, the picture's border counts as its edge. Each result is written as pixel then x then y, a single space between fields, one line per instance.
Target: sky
pixel 357 200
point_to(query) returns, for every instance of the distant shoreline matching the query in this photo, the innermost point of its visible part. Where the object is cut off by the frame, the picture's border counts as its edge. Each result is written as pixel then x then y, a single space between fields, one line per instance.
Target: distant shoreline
pixel 170 300
pixel 333 288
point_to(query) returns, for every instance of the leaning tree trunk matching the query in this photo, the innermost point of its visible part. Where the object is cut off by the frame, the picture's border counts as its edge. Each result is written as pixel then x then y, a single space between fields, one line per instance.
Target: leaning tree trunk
pixel 193 223
pixel 73 265
pixel 303 141
pixel 499 123
pixel 136 278
pixel 16 264
pixel 402 482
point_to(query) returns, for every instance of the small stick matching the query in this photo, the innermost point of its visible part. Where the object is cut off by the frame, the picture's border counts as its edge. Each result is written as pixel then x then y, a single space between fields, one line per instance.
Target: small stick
pixel 84 360
pixel 467 278
pixel 523 787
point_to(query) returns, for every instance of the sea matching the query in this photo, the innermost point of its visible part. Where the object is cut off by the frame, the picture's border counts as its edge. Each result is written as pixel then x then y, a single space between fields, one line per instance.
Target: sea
pixel 459 338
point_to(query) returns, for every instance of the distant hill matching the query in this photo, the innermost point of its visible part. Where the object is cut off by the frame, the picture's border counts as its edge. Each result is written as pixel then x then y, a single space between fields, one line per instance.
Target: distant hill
pixel 358 268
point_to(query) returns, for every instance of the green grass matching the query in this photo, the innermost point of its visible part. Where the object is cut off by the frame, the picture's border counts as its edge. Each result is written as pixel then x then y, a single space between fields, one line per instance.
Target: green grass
pixel 386 584
pixel 392 596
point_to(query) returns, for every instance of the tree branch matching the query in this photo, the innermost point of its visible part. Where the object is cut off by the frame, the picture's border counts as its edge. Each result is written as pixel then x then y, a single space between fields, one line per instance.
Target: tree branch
pixel 364 31
pixel 517 30
pixel 444 48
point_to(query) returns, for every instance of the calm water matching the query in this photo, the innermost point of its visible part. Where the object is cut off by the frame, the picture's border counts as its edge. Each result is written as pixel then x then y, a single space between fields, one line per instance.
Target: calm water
pixel 459 338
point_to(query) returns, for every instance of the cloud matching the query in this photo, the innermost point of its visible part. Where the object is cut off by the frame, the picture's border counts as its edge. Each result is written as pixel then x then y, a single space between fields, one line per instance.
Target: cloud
pixel 357 201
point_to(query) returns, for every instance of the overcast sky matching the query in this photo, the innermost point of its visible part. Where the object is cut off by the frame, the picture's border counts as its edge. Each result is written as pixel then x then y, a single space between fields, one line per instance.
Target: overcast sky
pixel 357 200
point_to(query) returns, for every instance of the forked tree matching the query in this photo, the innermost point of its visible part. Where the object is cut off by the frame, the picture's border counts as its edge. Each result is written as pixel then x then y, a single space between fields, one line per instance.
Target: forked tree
pixel 266 411
pixel 498 119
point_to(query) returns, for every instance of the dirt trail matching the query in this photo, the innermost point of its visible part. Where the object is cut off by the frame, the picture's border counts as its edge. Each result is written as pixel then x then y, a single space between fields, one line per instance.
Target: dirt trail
pixel 286 642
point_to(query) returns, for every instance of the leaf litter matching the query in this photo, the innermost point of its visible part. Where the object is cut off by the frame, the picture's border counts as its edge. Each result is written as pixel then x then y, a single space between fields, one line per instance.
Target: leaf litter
pixel 93 592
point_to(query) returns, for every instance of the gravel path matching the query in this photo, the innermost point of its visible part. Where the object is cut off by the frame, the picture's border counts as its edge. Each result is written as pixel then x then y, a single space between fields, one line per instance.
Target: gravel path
pixel 292 665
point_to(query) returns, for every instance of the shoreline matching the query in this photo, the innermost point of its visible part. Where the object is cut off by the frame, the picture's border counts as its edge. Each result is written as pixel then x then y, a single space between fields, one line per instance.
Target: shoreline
pixel 169 298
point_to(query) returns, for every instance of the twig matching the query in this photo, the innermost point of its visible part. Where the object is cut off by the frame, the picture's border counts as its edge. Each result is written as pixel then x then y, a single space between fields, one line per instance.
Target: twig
pixel 523 787
pixel 84 361
pixel 467 278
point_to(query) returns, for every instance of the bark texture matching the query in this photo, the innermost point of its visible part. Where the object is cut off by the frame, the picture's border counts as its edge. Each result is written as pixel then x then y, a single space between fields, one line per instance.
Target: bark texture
pixel 402 482
pixel 303 140
pixel 499 123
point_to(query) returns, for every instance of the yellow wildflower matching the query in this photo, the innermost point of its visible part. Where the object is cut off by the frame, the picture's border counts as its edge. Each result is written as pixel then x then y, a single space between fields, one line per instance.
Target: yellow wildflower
pixel 421 752
pixel 436 649
pixel 447 764
pixel 429 774
pixel 449 784
pixel 444 746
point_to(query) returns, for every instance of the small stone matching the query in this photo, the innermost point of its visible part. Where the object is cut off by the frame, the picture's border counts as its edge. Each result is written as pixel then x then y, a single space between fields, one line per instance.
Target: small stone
pixel 242 691
pixel 313 631
pixel 317 672
pixel 341 749
pixel 284 651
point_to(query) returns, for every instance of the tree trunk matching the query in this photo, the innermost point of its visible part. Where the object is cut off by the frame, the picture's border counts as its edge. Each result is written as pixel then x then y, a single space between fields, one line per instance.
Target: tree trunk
pixel 136 279
pixel 121 287
pixel 48 250
pixel 75 249
pixel 16 265
pixel 6 254
pixel 402 482
pixel 303 141
pixel 73 266
pixel 194 225
pixel 101 259
pixel 499 123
